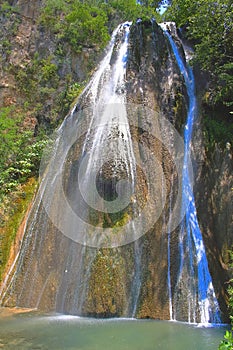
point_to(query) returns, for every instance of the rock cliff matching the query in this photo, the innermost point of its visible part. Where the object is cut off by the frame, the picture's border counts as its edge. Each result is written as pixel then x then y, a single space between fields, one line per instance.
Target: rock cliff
pixel 153 80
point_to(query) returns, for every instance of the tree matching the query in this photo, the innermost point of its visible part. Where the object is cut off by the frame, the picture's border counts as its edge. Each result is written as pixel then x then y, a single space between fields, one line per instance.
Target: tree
pixel 209 23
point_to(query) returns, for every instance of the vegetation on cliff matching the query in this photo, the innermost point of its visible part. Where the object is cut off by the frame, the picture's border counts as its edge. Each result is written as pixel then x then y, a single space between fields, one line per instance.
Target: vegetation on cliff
pixel 208 25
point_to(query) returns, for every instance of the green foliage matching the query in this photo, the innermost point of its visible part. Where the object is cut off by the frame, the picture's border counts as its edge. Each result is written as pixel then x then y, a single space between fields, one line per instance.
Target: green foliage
pixel 6 44
pixel 20 153
pixel 6 9
pixel 8 134
pixel 209 23
pixel 26 163
pixel 225 90
pixel 37 74
pixel 87 23
pixel 227 343
pixel 52 13
pixel 48 69
pixel 77 23
pixel 69 95
pixel 150 3
pixel 217 131
pixel 130 10
pixel 86 26
pixel 10 21
pixel 127 10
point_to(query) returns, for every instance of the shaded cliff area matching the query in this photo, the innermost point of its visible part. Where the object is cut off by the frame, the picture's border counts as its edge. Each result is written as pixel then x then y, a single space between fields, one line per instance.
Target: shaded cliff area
pixel 153 80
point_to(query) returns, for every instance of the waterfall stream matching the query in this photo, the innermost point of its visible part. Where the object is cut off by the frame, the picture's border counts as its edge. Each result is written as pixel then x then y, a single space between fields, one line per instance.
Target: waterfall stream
pixel 201 295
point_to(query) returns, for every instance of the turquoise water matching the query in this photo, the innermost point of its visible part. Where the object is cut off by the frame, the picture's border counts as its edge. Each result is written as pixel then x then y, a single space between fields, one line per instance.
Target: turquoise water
pixel 36 331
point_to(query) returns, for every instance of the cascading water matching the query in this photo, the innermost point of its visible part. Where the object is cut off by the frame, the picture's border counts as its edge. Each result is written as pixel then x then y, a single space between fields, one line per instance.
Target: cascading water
pixel 107 141
pixel 113 182
pixel 107 123
pixel 202 301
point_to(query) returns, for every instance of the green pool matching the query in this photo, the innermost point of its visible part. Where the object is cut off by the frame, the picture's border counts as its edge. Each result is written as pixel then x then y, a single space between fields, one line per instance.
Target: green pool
pixel 32 330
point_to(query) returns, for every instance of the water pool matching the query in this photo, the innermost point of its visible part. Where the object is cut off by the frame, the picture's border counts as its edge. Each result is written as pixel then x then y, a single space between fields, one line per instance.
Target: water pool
pixel 33 330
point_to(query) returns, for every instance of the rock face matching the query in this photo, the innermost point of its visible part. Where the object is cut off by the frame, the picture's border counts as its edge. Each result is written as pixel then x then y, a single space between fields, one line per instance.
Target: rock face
pixel 26 44
pixel 214 195
pixel 55 273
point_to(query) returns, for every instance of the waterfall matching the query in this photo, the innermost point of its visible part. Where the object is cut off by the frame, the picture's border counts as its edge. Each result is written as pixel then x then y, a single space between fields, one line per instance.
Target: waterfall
pixel 202 301
pixel 105 236
pixel 103 179
pixel 105 146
